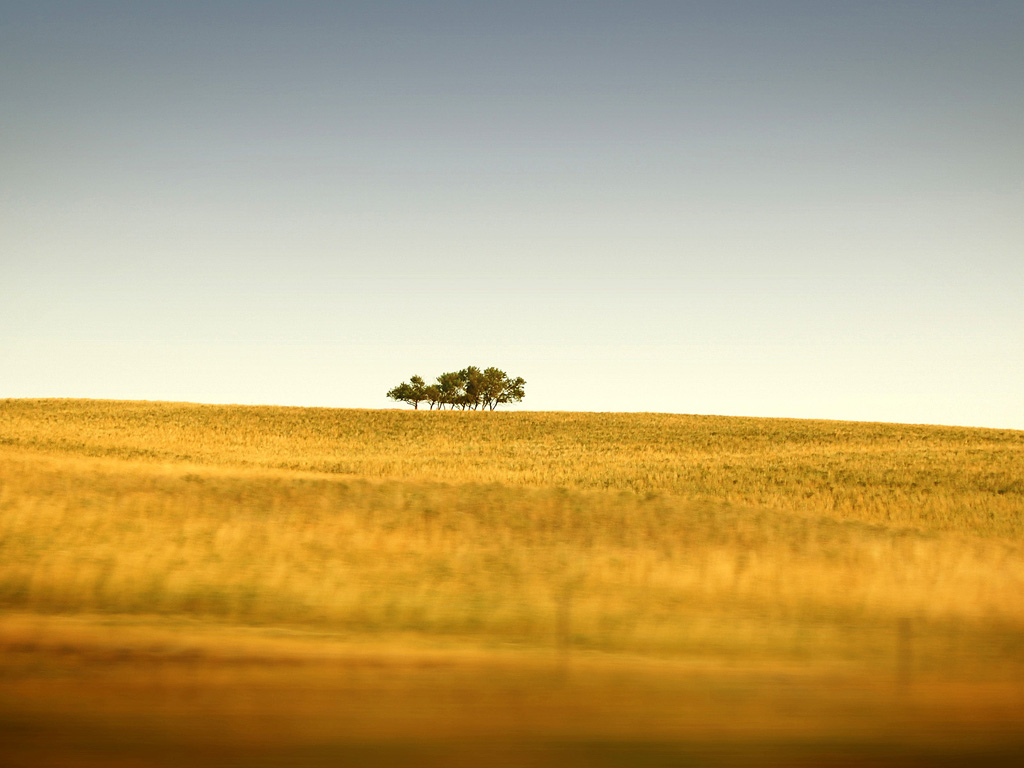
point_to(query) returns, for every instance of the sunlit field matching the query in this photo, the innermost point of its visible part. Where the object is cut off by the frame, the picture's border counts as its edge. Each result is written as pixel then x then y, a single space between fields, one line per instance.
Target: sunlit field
pixel 207 585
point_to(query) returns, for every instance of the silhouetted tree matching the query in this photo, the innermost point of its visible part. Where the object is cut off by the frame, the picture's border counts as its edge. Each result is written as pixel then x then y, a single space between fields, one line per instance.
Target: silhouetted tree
pixel 469 388
pixel 412 392
pixel 449 385
pixel 432 394
pixel 472 387
pixel 513 391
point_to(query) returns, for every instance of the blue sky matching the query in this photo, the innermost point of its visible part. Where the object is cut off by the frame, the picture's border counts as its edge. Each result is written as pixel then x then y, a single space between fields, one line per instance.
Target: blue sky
pixel 808 209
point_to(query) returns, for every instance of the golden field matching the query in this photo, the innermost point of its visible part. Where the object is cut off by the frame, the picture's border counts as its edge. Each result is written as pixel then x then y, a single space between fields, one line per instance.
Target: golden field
pixel 275 586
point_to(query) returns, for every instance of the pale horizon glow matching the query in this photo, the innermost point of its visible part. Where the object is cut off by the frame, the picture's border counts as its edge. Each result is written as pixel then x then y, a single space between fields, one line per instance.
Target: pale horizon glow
pixel 774 209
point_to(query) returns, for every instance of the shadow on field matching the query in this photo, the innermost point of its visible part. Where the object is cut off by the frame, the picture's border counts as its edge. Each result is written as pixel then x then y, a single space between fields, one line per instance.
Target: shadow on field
pixel 81 706
pixel 85 747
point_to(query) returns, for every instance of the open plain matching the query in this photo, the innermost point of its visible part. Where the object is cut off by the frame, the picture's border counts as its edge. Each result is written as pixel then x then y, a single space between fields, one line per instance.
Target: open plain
pixel 236 585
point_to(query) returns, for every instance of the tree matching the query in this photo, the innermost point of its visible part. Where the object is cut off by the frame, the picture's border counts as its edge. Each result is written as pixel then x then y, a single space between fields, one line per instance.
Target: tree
pixel 432 394
pixel 412 392
pixel 513 392
pixel 492 386
pixel 449 386
pixel 472 379
pixel 498 388
pixel 470 388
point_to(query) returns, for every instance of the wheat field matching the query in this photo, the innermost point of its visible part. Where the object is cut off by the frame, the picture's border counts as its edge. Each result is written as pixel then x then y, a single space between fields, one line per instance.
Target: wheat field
pixel 192 584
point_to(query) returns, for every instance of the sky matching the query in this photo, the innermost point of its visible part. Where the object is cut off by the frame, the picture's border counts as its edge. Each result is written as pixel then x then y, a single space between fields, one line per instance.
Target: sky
pixel 795 209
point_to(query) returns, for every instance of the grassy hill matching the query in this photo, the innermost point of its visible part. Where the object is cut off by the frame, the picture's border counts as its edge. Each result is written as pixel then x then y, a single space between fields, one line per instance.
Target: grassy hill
pixel 654 586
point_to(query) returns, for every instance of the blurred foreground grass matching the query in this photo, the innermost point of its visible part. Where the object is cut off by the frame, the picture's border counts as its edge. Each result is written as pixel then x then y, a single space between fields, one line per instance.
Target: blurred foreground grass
pixel 186 583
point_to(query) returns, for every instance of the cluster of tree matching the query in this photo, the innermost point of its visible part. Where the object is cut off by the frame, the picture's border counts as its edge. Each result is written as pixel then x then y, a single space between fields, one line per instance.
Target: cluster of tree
pixel 468 389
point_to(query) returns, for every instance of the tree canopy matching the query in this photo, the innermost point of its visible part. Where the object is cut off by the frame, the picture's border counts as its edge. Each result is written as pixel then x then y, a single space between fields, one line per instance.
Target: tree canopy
pixel 468 389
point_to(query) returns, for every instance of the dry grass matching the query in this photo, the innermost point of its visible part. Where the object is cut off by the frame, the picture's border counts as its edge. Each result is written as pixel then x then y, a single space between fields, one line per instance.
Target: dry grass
pixel 542 562
pixel 490 562
pixel 932 478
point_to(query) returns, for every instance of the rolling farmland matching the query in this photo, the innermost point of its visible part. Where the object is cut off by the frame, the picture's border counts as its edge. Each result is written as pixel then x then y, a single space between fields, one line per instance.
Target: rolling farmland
pixel 193 584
